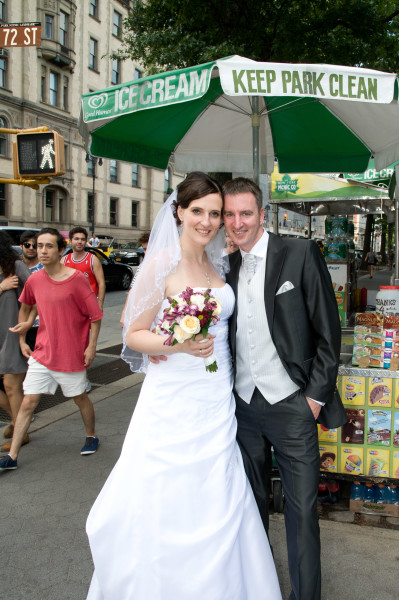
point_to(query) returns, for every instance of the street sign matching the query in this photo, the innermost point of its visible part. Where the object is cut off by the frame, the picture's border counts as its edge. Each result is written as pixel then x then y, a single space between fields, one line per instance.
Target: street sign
pixel 20 35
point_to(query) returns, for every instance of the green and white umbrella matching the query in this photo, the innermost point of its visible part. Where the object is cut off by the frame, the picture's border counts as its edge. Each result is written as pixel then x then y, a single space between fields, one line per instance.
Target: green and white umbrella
pixel 238 115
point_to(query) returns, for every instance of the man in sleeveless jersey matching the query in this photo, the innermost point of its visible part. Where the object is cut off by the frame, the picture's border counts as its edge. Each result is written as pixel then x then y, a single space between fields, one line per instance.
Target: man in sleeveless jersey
pixel 85 262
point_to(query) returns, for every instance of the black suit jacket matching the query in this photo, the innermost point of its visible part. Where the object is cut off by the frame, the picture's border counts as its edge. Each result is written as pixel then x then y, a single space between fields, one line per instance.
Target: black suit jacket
pixel 303 322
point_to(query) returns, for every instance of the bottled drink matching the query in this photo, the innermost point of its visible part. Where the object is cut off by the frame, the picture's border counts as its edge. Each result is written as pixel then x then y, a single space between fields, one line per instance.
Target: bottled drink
pixel 382 494
pixel 323 494
pixel 333 488
pixel 369 492
pixel 357 491
pixel 394 494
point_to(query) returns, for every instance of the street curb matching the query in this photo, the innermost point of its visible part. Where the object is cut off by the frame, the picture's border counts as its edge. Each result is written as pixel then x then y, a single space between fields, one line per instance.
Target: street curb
pixel 67 408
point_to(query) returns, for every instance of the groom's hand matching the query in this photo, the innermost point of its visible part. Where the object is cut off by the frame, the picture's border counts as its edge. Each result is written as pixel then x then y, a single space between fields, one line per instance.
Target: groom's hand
pixel 314 407
pixel 156 359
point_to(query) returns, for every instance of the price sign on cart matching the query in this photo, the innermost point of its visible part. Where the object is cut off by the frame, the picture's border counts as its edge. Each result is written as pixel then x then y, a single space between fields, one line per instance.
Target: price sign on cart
pixel 20 35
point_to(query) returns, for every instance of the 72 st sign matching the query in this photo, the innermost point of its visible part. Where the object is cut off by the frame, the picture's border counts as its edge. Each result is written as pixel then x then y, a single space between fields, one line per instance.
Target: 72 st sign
pixel 20 34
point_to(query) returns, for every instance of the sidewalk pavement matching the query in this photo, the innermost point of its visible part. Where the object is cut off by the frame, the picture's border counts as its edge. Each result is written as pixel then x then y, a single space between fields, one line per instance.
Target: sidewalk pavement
pixel 44 553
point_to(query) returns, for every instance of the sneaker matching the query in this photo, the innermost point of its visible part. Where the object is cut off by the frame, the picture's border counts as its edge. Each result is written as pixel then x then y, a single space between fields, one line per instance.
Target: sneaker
pixel 88 386
pixel 7 446
pixel 8 432
pixel 7 463
pixel 91 445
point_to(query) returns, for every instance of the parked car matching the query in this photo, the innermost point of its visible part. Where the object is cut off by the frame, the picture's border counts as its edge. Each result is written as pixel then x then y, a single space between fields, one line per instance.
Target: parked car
pixel 129 254
pixel 115 274
pixel 107 243
pixel 16 232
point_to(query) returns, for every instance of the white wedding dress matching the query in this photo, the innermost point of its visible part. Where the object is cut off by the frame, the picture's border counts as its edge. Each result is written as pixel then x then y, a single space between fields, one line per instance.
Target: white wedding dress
pixel 176 519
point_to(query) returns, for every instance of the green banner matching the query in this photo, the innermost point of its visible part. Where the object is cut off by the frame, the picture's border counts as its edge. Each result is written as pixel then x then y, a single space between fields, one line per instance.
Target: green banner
pixel 148 92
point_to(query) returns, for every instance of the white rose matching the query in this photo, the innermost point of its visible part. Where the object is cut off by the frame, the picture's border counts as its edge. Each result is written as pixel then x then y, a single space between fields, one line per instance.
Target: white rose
pixel 180 335
pixel 180 301
pixel 190 324
pixel 218 308
pixel 165 325
pixel 199 300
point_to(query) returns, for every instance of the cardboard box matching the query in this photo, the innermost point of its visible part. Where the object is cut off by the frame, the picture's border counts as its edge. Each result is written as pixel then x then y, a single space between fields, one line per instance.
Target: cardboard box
pixel 371 508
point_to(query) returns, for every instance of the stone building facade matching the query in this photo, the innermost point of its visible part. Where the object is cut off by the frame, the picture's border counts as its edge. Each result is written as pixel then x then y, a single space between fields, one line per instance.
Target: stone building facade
pixel 42 86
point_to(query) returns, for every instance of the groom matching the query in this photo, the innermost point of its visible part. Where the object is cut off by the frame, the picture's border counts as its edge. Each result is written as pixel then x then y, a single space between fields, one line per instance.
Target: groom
pixel 285 340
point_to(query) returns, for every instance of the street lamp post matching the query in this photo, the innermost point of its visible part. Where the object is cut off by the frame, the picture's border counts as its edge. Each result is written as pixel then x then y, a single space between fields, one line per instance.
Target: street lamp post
pixel 93 160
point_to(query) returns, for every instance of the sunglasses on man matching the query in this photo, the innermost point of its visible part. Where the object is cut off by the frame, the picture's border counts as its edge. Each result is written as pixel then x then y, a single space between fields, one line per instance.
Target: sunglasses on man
pixel 29 245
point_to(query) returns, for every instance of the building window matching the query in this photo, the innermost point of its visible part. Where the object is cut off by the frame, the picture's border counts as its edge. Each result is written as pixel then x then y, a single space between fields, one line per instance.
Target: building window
pixel 49 208
pixel 43 85
pixel 3 138
pixel 117 25
pixel 65 95
pixel 62 206
pixel 90 205
pixel 93 8
pixel 49 30
pixel 135 176
pixel 113 171
pixel 2 199
pixel 93 53
pixel 53 89
pixel 137 74
pixel 115 76
pixel 113 211
pixel 135 213
pixel 167 180
pixel 63 29
pixel 3 72
pixel 3 11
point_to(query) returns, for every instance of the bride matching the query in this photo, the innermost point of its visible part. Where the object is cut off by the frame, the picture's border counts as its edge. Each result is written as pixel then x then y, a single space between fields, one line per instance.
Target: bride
pixel 176 519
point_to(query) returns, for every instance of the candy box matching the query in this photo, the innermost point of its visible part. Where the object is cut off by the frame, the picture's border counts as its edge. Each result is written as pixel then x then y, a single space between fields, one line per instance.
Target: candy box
pixel 380 391
pixel 354 390
pixel 352 432
pixel 377 462
pixel 379 429
pixel 327 435
pixel 328 458
pixel 366 356
pixel 351 460
pixel 368 320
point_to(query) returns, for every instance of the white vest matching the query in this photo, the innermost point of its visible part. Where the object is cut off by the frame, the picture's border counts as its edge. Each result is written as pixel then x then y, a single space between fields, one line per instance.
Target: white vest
pixel 257 362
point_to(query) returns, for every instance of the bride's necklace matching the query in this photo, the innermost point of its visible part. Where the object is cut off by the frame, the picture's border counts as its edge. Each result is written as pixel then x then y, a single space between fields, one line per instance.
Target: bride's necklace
pixel 205 273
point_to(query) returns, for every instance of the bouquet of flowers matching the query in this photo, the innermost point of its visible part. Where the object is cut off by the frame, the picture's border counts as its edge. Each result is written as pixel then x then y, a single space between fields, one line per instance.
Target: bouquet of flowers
pixel 190 313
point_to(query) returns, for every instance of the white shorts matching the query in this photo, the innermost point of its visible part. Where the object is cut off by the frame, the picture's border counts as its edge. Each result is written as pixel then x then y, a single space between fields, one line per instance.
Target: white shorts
pixel 41 380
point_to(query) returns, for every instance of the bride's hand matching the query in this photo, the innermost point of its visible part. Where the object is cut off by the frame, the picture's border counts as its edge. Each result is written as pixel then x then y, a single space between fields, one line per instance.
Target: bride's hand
pixel 200 346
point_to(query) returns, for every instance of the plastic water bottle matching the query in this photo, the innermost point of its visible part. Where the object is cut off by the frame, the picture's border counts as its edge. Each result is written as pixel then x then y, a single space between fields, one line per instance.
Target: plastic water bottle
pixel 333 488
pixel 394 494
pixel 357 492
pixel 382 494
pixel 369 492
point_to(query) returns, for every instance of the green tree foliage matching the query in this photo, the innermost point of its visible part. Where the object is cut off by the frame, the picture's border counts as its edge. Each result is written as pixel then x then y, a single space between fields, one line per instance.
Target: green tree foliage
pixel 169 34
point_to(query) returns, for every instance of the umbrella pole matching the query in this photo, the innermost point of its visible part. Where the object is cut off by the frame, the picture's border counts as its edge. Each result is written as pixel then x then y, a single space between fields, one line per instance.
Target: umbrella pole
pixel 255 121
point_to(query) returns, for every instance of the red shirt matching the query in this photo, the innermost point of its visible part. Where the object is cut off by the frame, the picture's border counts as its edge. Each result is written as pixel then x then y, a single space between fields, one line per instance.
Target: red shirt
pixel 66 309
pixel 85 266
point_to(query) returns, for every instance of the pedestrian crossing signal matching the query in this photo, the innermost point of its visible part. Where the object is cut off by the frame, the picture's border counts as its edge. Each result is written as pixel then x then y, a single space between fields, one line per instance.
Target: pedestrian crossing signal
pixel 39 155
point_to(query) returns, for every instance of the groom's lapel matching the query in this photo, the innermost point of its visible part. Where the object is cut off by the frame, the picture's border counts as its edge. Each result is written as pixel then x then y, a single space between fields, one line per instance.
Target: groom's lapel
pixel 274 262
pixel 235 263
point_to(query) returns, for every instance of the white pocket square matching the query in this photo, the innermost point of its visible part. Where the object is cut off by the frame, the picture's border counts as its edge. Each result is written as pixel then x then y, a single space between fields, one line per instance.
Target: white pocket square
pixel 286 287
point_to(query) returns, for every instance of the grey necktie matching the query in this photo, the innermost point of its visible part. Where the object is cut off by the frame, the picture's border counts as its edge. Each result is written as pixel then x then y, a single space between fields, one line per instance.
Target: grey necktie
pixel 249 261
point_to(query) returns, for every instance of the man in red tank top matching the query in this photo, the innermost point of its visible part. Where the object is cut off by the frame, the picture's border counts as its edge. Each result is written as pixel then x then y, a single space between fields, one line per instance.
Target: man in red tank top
pixel 87 263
